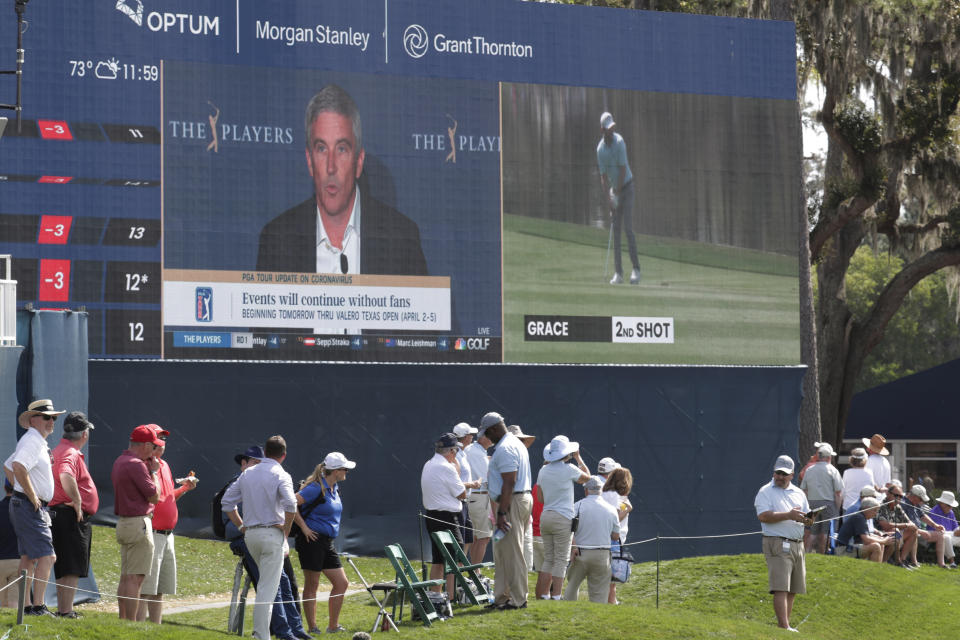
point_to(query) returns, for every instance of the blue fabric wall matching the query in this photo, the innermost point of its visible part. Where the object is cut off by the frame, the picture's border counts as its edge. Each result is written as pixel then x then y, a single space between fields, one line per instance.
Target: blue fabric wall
pixel 700 441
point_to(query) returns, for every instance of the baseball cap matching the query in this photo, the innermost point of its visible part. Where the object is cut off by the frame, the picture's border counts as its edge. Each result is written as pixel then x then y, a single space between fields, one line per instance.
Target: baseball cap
pixel 490 419
pixel 254 451
pixel 824 449
pixel 76 421
pixel 869 503
pixel 447 440
pixel 148 433
pixel 919 491
pixel 336 460
pixel 606 120
pixel 463 429
pixel 784 463
pixel 868 492
pixel 607 465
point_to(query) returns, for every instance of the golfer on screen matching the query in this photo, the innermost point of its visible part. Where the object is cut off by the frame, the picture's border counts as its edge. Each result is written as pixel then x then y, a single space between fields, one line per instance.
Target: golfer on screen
pixel 617 182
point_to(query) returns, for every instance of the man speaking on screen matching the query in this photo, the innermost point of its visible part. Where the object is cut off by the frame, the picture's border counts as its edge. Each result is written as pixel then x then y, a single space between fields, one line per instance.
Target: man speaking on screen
pixel 341 229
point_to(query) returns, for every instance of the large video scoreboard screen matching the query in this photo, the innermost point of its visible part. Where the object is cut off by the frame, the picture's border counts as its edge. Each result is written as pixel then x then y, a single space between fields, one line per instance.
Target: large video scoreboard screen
pixel 406 180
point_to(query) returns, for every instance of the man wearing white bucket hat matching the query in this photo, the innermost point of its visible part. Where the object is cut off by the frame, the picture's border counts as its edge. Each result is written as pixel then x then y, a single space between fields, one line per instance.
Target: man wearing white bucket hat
pixel 555 488
pixel 942 514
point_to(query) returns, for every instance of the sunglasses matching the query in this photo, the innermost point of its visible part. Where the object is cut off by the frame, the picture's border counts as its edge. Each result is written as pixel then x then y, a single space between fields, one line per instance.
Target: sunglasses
pixel 46 417
pixel 895 495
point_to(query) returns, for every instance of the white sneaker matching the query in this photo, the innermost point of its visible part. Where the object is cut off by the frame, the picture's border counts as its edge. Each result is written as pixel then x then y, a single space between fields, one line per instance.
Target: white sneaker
pixel 635 276
pixel 792 629
pixel 616 279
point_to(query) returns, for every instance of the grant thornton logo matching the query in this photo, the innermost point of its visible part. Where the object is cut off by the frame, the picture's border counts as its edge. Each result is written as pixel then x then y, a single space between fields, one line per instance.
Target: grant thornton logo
pixel 415 41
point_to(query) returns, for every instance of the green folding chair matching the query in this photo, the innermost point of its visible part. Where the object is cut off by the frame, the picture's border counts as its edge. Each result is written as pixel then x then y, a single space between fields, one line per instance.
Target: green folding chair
pixel 455 562
pixel 410 586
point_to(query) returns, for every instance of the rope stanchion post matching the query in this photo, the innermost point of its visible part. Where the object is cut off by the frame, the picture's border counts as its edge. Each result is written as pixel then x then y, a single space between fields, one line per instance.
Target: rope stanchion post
pixel 423 561
pixel 658 570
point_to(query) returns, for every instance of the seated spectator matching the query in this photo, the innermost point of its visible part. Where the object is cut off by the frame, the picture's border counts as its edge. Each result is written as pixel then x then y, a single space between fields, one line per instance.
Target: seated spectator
pixel 942 514
pixel 856 539
pixel 598 525
pixel 865 492
pixel 891 518
pixel 9 556
pixel 824 488
pixel 913 506
pixel 856 477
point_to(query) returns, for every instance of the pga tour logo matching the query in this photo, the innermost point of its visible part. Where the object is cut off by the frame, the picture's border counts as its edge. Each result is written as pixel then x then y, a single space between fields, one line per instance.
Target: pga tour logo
pixel 415 41
pixel 204 304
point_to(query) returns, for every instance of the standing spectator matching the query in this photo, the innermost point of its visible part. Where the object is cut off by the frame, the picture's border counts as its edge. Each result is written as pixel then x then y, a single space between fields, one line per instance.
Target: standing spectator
pixel 285 620
pixel 913 506
pixel 891 518
pixel 75 500
pixel 32 491
pixel 781 509
pixel 857 540
pixel 319 514
pixel 136 489
pixel 616 491
pixel 555 490
pixel 442 491
pixel 527 441
pixel 269 504
pixel 479 499
pixel 464 434
pixel 9 557
pixel 877 462
pixel 535 513
pixel 856 478
pixel 163 572
pixel 598 526
pixel 508 479
pixel 942 514
pixel 824 488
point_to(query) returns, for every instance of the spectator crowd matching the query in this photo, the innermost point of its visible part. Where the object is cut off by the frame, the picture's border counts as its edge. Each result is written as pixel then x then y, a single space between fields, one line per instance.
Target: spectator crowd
pixel 478 485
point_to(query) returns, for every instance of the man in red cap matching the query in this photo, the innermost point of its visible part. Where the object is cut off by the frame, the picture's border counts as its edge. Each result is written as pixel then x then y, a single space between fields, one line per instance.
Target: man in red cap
pixel 136 489
pixel 163 572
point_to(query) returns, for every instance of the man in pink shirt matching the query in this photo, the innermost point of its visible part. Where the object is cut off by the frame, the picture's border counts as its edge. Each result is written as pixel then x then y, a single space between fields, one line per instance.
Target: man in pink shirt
pixel 136 488
pixel 74 501
pixel 163 573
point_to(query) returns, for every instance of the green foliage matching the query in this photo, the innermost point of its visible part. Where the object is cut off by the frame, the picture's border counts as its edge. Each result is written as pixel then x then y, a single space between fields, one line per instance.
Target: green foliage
pixel 922 334
pixel 925 109
pixel 858 126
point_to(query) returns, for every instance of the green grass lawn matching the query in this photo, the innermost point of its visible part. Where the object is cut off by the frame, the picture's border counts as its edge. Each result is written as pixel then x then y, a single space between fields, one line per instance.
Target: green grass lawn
pixel 707 597
pixel 730 306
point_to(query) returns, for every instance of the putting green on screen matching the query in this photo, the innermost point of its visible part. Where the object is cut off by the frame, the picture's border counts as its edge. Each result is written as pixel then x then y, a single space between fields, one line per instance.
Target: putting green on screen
pixel 729 305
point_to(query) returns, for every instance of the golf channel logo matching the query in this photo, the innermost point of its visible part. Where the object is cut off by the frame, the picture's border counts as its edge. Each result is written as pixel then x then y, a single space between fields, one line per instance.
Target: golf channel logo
pixel 204 304
pixel 471 344
pixel 415 41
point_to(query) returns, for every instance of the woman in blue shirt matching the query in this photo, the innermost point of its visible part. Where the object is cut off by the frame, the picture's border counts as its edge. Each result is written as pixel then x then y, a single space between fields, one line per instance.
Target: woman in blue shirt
pixel 318 516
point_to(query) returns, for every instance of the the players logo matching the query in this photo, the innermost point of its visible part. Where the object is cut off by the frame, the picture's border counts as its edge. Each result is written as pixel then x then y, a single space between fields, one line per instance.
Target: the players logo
pixel 204 304
pixel 415 41
pixel 134 14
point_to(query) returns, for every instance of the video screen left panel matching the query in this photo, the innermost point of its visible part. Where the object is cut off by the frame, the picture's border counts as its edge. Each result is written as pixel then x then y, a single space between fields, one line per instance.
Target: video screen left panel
pixel 377 239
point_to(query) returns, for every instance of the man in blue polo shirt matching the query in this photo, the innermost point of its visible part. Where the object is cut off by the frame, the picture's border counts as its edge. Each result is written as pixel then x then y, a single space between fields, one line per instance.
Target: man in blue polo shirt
pixel 508 480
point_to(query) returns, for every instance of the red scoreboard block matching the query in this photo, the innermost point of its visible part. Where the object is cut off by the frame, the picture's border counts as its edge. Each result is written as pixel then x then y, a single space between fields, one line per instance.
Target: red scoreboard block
pixel 54 280
pixel 54 229
pixel 54 130
pixel 54 179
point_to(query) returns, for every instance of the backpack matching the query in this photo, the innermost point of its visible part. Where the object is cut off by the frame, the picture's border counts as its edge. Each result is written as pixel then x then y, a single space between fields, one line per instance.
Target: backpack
pixel 216 512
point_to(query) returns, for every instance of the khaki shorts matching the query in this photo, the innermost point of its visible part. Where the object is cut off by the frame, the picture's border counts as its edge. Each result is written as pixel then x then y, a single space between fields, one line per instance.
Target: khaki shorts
pixel 163 574
pixel 785 569
pixel 135 536
pixel 479 506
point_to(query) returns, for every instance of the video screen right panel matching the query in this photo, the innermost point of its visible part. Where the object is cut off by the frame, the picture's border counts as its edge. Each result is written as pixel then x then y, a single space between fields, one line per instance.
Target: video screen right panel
pixel 711 195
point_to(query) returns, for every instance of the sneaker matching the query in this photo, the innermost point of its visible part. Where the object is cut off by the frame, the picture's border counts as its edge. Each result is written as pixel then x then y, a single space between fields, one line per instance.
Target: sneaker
pixel 38 610
pixel 338 629
pixel 70 615
pixel 315 630
pixel 635 276
pixel 792 629
pixel 616 279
